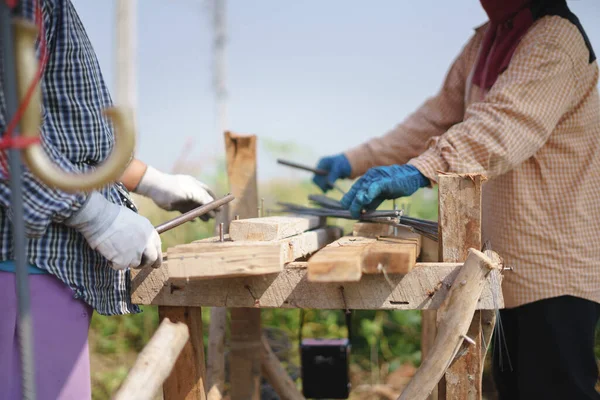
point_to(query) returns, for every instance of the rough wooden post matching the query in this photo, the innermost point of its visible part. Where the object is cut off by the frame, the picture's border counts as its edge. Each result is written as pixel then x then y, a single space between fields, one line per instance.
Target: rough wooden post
pixel 245 329
pixel 460 229
pixel 215 369
pixel 215 361
pixel 187 380
pixel 155 362
pixel 428 317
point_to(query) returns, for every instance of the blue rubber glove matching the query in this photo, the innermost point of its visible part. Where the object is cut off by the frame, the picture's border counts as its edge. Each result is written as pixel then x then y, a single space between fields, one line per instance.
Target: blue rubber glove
pixel 382 183
pixel 338 167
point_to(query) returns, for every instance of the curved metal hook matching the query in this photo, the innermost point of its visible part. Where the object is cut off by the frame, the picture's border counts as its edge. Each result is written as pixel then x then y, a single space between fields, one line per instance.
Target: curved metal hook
pixel 34 155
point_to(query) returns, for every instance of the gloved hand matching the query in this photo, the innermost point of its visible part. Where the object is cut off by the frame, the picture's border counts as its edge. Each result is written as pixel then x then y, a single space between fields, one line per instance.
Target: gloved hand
pixel 124 238
pixel 170 192
pixel 338 167
pixel 382 183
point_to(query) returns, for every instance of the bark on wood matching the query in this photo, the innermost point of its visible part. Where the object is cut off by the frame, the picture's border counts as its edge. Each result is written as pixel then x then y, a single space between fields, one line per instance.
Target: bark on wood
pixel 460 230
pixel 272 228
pixel 245 323
pixel 277 376
pixel 488 317
pixel 188 377
pixel 454 317
pixel 424 287
pixel 210 258
pixel 155 362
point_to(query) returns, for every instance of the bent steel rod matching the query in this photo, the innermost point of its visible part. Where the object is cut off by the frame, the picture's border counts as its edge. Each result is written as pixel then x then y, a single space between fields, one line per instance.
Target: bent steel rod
pixel 16 199
pixel 195 213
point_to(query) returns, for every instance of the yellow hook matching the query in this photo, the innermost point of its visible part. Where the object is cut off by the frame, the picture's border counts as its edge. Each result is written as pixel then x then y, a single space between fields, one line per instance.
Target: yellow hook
pixel 34 155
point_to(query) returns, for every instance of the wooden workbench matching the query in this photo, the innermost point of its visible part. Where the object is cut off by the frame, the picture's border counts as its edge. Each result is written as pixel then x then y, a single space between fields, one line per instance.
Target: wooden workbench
pixel 177 290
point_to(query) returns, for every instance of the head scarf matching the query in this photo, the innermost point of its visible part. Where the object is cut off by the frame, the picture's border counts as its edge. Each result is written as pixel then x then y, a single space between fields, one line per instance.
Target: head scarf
pixel 509 21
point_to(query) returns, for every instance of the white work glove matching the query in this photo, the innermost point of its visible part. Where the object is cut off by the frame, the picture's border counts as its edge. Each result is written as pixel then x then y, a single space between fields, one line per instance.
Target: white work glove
pixel 124 238
pixel 181 193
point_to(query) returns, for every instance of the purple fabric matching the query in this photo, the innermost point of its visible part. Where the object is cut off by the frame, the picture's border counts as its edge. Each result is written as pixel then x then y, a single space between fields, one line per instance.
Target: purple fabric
pixel 60 330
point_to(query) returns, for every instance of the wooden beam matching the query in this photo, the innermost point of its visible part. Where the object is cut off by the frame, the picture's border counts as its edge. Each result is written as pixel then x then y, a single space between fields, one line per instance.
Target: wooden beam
pixel 378 230
pixel 340 261
pixel 188 377
pixel 349 257
pixel 244 355
pixel 154 364
pixel 424 287
pixel 454 316
pixel 272 228
pixel 460 230
pixel 210 258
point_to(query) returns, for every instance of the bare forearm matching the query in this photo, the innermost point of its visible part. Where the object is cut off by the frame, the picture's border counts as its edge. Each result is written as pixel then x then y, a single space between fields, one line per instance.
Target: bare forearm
pixel 133 174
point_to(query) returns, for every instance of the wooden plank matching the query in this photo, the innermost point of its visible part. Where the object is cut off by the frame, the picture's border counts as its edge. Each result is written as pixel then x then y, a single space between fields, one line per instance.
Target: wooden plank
pixel 244 362
pixel 392 256
pixel 372 229
pixel 423 288
pixel 348 258
pixel 377 230
pixel 272 228
pixel 187 380
pixel 210 258
pixel 340 261
pixel 460 230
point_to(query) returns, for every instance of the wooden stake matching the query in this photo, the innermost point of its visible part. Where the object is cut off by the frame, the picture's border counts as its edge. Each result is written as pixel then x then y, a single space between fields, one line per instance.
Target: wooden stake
pixel 155 362
pixel 245 353
pixel 187 380
pixel 460 230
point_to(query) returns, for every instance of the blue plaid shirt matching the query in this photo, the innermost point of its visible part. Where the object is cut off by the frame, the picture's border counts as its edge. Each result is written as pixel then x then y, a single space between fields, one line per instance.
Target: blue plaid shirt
pixel 77 137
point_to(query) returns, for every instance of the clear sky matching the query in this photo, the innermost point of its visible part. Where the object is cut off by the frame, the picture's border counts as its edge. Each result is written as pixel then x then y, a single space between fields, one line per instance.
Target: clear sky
pixel 324 75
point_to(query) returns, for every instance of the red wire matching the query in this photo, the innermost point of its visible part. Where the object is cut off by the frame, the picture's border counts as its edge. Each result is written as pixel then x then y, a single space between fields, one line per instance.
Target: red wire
pixel 7 140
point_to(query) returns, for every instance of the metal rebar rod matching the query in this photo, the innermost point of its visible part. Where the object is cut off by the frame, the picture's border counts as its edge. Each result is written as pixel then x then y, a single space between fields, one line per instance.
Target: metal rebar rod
pixel 25 329
pixel 315 171
pixel 195 213
pixel 292 164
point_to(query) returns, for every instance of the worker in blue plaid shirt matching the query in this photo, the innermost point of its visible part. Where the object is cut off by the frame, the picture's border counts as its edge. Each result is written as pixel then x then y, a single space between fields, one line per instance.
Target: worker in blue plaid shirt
pixel 80 247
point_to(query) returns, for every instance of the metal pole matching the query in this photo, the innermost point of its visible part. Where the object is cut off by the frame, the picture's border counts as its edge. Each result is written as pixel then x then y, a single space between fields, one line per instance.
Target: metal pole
pixel 19 238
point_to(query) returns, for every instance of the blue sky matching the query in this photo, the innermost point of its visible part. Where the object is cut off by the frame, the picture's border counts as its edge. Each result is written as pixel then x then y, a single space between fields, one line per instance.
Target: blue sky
pixel 325 75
